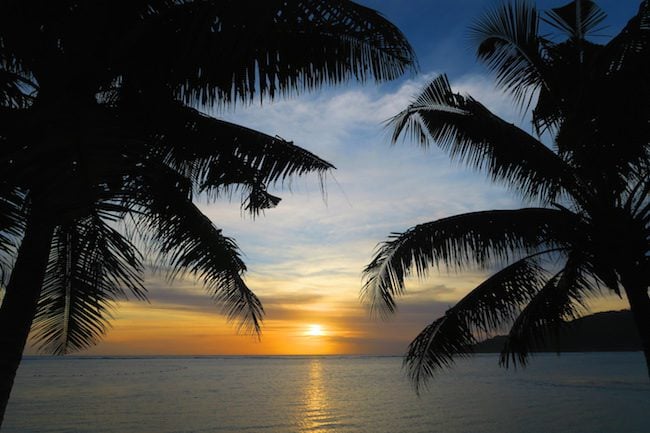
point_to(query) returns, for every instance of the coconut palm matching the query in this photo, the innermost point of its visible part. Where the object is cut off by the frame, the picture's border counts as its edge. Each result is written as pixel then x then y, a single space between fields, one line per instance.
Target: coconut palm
pixel 104 148
pixel 587 231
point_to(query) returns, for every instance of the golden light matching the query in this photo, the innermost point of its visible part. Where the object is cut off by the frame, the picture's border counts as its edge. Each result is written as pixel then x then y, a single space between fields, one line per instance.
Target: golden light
pixel 315 331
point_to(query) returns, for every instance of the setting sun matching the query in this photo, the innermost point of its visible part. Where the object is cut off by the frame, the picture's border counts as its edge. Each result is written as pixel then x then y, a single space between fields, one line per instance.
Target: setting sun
pixel 315 331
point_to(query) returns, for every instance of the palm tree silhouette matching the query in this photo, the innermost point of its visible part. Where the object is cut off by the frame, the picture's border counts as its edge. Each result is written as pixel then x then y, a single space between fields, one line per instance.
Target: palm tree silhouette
pixel 591 186
pixel 100 128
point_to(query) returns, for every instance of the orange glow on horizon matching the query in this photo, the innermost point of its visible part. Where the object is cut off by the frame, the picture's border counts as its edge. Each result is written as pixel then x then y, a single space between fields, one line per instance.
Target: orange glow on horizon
pixel 336 324
pixel 146 330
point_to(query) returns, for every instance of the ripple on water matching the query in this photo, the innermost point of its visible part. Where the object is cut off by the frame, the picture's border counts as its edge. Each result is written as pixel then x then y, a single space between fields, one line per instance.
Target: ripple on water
pixel 579 393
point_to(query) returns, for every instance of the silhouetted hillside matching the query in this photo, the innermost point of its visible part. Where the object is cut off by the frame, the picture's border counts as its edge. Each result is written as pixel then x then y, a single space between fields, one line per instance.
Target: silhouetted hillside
pixel 609 331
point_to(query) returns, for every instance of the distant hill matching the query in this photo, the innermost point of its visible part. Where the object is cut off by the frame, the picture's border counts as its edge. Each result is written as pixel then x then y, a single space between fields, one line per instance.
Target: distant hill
pixel 610 331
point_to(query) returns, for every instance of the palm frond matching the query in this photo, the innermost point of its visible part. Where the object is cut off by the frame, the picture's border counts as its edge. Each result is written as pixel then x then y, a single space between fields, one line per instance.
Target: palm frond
pixel 188 242
pixel 577 19
pixel 637 194
pixel 611 129
pixel 91 266
pixel 485 309
pixel 628 51
pixel 268 48
pixel 436 347
pixel 15 91
pixel 508 42
pixel 604 126
pixel 12 226
pixel 562 298
pixel 221 157
pixel 546 116
pixel 479 238
pixel 470 133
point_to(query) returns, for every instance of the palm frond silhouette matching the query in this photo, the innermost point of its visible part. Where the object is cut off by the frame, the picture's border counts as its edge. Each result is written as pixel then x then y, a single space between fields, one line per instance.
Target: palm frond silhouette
pixel 591 186
pixel 100 125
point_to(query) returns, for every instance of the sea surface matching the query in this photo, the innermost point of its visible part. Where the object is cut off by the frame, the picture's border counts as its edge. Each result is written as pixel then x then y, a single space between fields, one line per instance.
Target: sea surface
pixel 596 392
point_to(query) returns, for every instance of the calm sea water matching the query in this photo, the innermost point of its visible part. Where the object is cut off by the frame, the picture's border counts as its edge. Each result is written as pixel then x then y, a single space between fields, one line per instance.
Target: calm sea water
pixel 607 392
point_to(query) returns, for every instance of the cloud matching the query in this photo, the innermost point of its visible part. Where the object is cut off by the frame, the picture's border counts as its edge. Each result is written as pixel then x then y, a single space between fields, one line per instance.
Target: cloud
pixel 306 256
pixel 308 245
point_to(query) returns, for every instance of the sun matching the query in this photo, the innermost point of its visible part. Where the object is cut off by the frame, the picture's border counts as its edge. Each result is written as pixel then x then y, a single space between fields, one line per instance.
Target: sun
pixel 315 331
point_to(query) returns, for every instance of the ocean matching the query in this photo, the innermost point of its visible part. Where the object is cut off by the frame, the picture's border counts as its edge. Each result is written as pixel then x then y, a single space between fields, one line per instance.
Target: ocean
pixel 575 392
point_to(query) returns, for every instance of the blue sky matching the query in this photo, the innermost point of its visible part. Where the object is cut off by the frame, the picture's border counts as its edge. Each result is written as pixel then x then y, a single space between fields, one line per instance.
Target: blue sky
pixel 305 257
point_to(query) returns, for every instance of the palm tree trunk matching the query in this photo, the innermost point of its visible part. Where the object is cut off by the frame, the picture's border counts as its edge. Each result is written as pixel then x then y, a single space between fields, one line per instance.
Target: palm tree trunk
pixel 21 298
pixel 636 289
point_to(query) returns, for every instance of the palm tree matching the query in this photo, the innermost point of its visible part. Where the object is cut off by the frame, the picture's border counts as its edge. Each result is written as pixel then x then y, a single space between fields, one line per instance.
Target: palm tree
pixel 104 150
pixel 587 231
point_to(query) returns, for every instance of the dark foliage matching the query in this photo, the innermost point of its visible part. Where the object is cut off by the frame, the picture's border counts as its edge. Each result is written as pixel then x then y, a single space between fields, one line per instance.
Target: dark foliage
pixel 592 237
pixel 99 126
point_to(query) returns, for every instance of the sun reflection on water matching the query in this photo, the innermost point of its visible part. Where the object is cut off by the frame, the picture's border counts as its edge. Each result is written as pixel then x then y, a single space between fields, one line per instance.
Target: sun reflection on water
pixel 317 415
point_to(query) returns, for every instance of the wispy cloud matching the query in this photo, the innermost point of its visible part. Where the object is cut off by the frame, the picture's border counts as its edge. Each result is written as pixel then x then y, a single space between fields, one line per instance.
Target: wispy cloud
pixel 305 257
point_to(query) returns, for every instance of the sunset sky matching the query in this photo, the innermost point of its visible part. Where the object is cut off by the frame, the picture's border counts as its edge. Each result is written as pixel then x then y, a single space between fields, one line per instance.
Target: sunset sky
pixel 305 257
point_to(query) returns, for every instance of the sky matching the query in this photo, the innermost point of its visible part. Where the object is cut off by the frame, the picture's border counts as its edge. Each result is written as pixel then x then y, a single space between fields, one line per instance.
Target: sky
pixel 305 257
